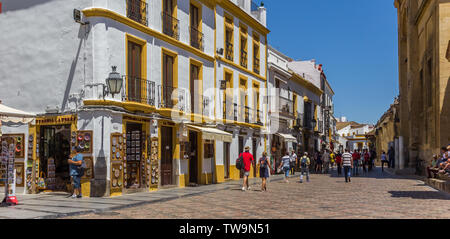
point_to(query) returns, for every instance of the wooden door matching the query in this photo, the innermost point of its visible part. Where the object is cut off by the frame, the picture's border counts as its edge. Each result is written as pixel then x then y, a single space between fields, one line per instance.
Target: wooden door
pixel 134 72
pixel 193 157
pixel 168 87
pixel 226 158
pixel 166 155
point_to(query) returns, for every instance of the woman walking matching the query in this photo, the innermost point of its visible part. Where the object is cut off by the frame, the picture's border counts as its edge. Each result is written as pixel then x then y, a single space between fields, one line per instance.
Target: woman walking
pixel 264 166
pixel 285 165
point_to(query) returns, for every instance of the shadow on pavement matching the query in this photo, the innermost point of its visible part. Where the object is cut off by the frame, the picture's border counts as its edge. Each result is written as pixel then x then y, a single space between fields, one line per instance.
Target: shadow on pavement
pixel 420 195
pixel 376 173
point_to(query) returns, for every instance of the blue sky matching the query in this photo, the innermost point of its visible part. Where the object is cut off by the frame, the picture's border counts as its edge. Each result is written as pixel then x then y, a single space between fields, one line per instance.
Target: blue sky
pixel 355 40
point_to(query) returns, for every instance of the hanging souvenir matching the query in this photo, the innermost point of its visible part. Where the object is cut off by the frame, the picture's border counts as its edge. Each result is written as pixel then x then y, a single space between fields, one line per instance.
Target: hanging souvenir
pixel 118 155
pixel 115 183
pixel 80 137
pixel 114 149
pixel 87 136
pixel 117 173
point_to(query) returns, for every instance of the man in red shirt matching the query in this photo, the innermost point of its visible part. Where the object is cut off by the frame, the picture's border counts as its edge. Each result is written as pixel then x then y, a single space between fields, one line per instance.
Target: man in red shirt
pixel 355 157
pixel 248 159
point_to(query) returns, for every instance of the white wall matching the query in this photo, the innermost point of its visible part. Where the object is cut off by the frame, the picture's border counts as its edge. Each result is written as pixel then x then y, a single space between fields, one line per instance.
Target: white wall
pixel 45 55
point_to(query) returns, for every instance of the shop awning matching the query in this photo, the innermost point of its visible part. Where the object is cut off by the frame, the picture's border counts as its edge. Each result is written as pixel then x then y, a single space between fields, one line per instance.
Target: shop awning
pixel 213 134
pixel 287 137
pixel 11 115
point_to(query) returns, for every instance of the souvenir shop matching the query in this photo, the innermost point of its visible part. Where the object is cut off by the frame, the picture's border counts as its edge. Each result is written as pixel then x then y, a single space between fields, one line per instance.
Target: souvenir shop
pixel 52 141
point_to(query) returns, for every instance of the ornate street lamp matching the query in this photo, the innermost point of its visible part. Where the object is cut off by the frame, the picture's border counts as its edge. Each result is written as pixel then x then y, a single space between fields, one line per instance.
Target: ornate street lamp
pixel 114 82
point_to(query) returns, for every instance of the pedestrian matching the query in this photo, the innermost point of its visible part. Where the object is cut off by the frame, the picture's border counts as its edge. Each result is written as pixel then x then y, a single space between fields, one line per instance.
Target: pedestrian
pixel 76 172
pixel 285 165
pixel 347 162
pixel 326 161
pixel 247 159
pixel 366 161
pixel 304 165
pixel 373 156
pixel 293 161
pixel 264 166
pixel 332 159
pixel 355 157
pixel 319 162
pixel 391 154
pixel 384 160
pixel 339 163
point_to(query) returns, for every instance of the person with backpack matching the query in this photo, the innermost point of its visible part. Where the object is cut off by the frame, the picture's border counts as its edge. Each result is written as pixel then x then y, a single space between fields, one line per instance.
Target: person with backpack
pixel 244 163
pixel 285 165
pixel 347 162
pixel 76 172
pixel 304 166
pixel 264 166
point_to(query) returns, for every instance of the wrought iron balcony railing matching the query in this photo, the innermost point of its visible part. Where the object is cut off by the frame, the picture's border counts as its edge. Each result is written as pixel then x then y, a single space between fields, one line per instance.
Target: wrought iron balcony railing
pixel 256 65
pixel 169 97
pixel 139 90
pixel 197 39
pixel 286 107
pixel 229 51
pixel 243 58
pixel 137 10
pixel 171 25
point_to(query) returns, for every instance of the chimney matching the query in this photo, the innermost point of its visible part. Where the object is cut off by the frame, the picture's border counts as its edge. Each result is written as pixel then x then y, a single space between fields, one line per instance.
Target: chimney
pixel 262 14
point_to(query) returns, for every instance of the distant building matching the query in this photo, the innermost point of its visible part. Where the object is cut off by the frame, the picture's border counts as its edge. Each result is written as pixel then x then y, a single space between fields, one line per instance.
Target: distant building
pixel 352 135
pixel 387 130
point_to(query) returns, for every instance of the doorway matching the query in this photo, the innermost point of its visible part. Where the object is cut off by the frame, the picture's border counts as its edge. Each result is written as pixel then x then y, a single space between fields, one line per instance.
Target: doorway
pixel 254 145
pixel 53 155
pixel 226 160
pixel 166 155
pixel 241 150
pixel 193 157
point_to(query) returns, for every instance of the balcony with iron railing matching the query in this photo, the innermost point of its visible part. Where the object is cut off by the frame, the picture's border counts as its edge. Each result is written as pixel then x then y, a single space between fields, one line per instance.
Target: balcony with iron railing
pixel 229 51
pixel 138 90
pixel 286 107
pixel 256 65
pixel 137 10
pixel 169 97
pixel 233 112
pixel 171 25
pixel 197 39
pixel 243 58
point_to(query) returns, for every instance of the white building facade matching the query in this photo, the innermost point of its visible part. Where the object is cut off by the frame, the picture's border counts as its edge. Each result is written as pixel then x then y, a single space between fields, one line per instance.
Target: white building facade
pixel 165 126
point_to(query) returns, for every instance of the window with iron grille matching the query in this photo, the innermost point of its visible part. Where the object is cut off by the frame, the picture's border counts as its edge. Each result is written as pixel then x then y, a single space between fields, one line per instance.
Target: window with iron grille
pixel 137 10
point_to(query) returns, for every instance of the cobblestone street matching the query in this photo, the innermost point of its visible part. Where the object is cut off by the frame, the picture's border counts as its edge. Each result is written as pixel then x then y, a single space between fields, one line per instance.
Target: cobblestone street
pixel 377 195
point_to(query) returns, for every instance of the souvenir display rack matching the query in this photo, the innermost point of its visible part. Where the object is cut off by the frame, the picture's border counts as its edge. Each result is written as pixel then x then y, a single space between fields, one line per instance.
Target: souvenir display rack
pixel 134 146
pixel 117 163
pixel 51 174
pixel 29 169
pixel 19 141
pixel 20 167
pixel 89 171
pixel 83 140
pixel 154 163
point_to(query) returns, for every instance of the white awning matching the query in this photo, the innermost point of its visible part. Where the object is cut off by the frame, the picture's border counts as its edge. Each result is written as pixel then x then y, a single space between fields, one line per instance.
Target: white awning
pixel 8 114
pixel 213 134
pixel 287 137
